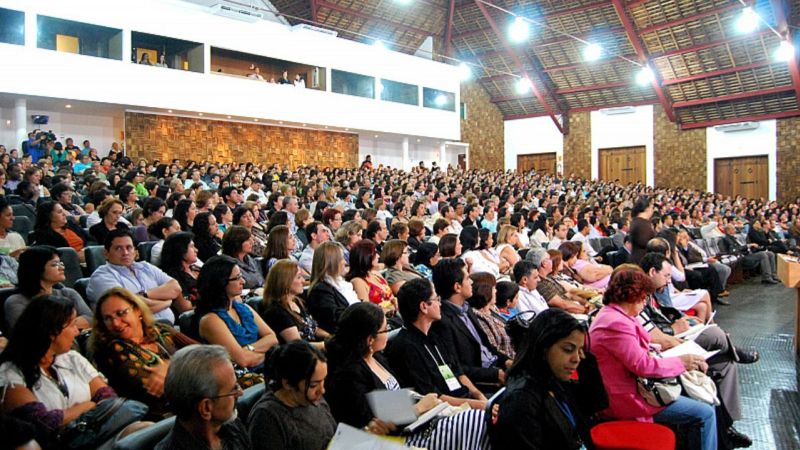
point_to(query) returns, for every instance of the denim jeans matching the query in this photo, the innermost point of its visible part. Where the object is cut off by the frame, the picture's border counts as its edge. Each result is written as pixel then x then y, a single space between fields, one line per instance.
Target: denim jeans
pixel 698 415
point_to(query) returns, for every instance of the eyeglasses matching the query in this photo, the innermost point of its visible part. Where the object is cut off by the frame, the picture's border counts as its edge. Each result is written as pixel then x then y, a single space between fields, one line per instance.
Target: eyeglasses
pixel 116 315
pixel 237 278
pixel 436 299
pixel 57 264
pixel 384 331
pixel 237 391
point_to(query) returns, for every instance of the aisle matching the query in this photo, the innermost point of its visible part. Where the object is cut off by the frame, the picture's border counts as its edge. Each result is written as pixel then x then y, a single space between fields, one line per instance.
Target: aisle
pixel 761 317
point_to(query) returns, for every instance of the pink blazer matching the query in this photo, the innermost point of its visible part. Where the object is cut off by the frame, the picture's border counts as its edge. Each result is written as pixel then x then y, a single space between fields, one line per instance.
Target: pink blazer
pixel 620 344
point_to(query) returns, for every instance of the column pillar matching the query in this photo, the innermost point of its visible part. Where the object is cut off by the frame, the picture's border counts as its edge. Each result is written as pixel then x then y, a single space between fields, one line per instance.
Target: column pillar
pixel 20 123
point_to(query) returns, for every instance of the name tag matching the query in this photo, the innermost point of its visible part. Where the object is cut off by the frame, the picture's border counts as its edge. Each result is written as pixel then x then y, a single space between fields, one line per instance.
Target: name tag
pixel 449 378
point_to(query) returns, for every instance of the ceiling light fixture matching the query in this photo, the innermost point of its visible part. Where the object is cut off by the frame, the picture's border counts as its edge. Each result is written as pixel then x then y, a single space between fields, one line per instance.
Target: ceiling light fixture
pixel 379 44
pixel 169 110
pixel 404 2
pixel 592 52
pixel 519 30
pixel 199 114
pixel 464 71
pixel 523 86
pixel 255 120
pixel 645 76
pixel 784 52
pixel 229 117
pixel 68 106
pixel 748 21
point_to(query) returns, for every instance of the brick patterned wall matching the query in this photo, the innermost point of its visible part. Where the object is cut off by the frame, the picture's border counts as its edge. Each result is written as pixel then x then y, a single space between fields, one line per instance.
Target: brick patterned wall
pixel 680 156
pixel 578 146
pixel 483 129
pixel 788 131
pixel 164 137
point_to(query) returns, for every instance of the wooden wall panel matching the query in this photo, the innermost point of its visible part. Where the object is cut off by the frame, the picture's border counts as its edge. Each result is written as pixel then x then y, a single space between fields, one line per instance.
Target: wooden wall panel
pixel 578 146
pixel 680 155
pixel 483 130
pixel 166 137
pixel 788 131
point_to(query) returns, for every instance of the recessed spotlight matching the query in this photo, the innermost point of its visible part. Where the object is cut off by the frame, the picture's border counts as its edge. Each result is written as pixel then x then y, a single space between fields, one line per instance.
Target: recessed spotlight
pixel 68 106
pixel 347 129
pixel 8 122
pixel 418 140
pixel 523 86
pixel 169 110
pixel 376 135
pixel 280 122
pixel 326 127
pixel 304 124
pixel 256 120
pixel 199 114
pixel 229 117
pixel 748 21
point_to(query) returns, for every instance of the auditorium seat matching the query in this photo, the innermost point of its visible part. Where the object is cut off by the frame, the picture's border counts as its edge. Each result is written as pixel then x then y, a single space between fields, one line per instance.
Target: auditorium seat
pixel 145 248
pixel 23 225
pixel 94 258
pixel 632 435
pixel 23 210
pixel 72 265
pixel 4 294
pixel 80 287
pixel 246 402
pixel 184 323
pixel 147 438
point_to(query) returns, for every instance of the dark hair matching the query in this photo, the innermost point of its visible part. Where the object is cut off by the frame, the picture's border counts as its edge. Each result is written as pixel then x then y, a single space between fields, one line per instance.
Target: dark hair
pixel 582 223
pixel 181 213
pixel 506 290
pixel 358 322
pixel 549 326
pixel 372 229
pixel 43 212
pixel 569 249
pixel 278 218
pixel 469 237
pixel 523 268
pixel 117 233
pixel 446 273
pixel 312 228
pixel 44 319
pixel 447 245
pixel 482 285
pixel 124 192
pixel 425 252
pixel 293 362
pixel 628 284
pixel 276 243
pixel 642 203
pixel 651 260
pixel 220 210
pixel 410 295
pixel 32 263
pixel 212 285
pixel 58 189
pixel 152 205
pixel 239 212
pixel 157 228
pixel 175 247
pixel 233 239
pixel 361 256
pixel 200 227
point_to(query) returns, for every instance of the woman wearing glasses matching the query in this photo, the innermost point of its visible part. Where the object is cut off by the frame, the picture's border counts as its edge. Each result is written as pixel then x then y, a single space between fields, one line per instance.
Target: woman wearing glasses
pixel 132 349
pixel 395 256
pixel 220 318
pixel 43 272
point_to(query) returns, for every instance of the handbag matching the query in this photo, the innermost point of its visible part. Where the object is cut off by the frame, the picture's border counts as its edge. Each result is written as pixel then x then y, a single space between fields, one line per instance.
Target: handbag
pixel 659 391
pixel 102 423
pixel 700 386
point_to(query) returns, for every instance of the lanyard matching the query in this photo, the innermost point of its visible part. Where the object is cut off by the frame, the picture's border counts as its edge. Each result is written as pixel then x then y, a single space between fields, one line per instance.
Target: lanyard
pixel 564 407
pixel 433 357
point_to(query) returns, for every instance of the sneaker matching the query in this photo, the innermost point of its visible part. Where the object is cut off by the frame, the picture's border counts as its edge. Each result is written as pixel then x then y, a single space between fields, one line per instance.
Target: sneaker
pixel 738 439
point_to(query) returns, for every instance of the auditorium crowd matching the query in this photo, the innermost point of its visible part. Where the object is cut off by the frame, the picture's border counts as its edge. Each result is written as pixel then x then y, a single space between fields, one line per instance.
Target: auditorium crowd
pixel 184 285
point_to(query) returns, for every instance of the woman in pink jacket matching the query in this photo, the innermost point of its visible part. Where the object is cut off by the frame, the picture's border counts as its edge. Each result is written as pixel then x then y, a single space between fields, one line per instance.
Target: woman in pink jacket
pixel 621 345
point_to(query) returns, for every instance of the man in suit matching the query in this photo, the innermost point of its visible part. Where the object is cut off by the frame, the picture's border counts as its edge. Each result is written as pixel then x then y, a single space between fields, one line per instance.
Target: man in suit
pixel 458 330
pixel 623 226
pixel 752 256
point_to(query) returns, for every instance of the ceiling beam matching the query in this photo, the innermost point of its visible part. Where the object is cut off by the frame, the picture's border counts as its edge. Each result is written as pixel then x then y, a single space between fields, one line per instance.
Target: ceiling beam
pixel 585 109
pixel 690 18
pixel 711 123
pixel 737 96
pixel 594 87
pixel 553 41
pixel 780 20
pixel 715 73
pixel 448 37
pixel 552 15
pixel 698 47
pixel 636 42
pixel 520 66
pixel 369 17
pixel 554 69
pixel 313 4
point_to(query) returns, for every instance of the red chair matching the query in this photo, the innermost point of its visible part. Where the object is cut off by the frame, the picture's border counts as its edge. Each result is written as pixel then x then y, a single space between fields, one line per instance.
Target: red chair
pixel 632 435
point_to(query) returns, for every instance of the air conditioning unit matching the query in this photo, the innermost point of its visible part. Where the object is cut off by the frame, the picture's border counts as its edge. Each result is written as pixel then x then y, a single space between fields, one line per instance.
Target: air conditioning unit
pixel 233 12
pixel 733 127
pixel 618 110
pixel 307 27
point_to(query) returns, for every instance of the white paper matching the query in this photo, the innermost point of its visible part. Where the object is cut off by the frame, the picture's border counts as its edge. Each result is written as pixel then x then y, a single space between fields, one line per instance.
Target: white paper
pixel 688 348
pixel 392 406
pixel 697 265
pixel 349 438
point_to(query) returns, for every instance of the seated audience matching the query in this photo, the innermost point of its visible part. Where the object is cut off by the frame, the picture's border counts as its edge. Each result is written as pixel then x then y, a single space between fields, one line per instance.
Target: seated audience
pixel 316 233
pixel 589 272
pixel 238 244
pixel 153 210
pixel 205 237
pixel 283 309
pixel 220 319
pixel 556 295
pixel 507 299
pixel 395 257
pixel 161 230
pixel 753 256
pixel 43 274
pixel 52 228
pixel 158 289
pixel 489 319
pixel 527 276
pixel 11 242
pixel 110 211
pixel 133 350
pixel 243 217
pixel 348 234
pixel 180 262
pixel 507 245
pixel 280 245
pixel 201 389
pixel 481 259
pixel 426 257
pixel 370 286
pixel 185 212
pixel 329 293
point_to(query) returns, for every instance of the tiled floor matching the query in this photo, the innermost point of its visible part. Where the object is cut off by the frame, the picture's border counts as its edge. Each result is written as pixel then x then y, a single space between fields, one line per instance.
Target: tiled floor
pixel 762 317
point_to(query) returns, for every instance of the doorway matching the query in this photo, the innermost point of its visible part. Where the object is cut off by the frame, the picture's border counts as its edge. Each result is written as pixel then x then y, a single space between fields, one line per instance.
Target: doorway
pixel 747 176
pixel 624 165
pixel 540 162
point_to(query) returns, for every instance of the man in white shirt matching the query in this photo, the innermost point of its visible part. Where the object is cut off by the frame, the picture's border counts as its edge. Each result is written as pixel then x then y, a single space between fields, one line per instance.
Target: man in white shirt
pixel 195 179
pixel 255 188
pixel 559 236
pixel 527 276
pixel 582 236
pixel 317 234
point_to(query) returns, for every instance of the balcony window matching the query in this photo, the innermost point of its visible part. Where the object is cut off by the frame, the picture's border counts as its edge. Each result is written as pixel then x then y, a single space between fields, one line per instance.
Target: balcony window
pixel 394 91
pixel 12 26
pixel 352 84
pixel 79 38
pixel 434 98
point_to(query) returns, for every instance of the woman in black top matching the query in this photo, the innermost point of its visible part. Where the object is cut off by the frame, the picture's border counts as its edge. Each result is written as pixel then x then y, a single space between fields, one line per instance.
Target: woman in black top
pixel 542 408
pixel 54 229
pixel 641 228
pixel 205 235
pixel 110 212
pixel 177 260
pixel 284 311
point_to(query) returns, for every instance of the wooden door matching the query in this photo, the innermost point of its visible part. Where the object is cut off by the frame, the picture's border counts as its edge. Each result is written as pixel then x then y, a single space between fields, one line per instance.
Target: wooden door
pixel 540 162
pixel 747 176
pixel 624 165
pixel 462 161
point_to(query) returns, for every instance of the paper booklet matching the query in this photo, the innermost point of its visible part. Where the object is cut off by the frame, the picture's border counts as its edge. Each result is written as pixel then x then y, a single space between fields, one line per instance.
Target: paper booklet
pixel 688 348
pixel 398 408
pixel 349 438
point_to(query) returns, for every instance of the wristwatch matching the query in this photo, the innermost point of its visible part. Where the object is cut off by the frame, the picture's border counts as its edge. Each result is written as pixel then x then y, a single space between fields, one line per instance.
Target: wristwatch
pixel 250 347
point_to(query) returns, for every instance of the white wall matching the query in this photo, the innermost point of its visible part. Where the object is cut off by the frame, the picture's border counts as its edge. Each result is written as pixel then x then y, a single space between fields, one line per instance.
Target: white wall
pixel 100 130
pixel 624 130
pixel 761 141
pixel 425 151
pixel 386 151
pixel 28 70
pixel 535 135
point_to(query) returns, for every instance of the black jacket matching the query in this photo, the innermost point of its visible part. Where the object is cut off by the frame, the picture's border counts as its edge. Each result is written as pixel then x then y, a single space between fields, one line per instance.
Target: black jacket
pixel 454 334
pixel 326 304
pixel 346 391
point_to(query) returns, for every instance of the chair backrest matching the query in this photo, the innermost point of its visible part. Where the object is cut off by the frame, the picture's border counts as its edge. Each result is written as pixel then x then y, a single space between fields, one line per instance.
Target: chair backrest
pixel 80 287
pixel 146 438
pixel 254 302
pixel 83 221
pixel 713 248
pixel 490 405
pixel 145 249
pixel 24 210
pixel 595 244
pixel 72 265
pixel 23 225
pixel 612 258
pixel 4 294
pixel 606 242
pixel 185 324
pixel 246 402
pixel 94 257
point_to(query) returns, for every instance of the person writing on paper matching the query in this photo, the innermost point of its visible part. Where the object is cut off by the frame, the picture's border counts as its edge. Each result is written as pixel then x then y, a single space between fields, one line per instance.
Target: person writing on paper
pixel 662 323
pixel 621 345
pixel 542 408
pixel 357 368
pixel 292 414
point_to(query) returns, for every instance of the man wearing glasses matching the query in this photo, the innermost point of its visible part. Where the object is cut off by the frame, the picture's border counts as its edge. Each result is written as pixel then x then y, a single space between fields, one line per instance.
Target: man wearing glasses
pixel 202 391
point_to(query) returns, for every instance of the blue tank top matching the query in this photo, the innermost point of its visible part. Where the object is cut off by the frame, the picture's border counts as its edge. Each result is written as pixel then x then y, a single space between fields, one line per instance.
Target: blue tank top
pixel 244 333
